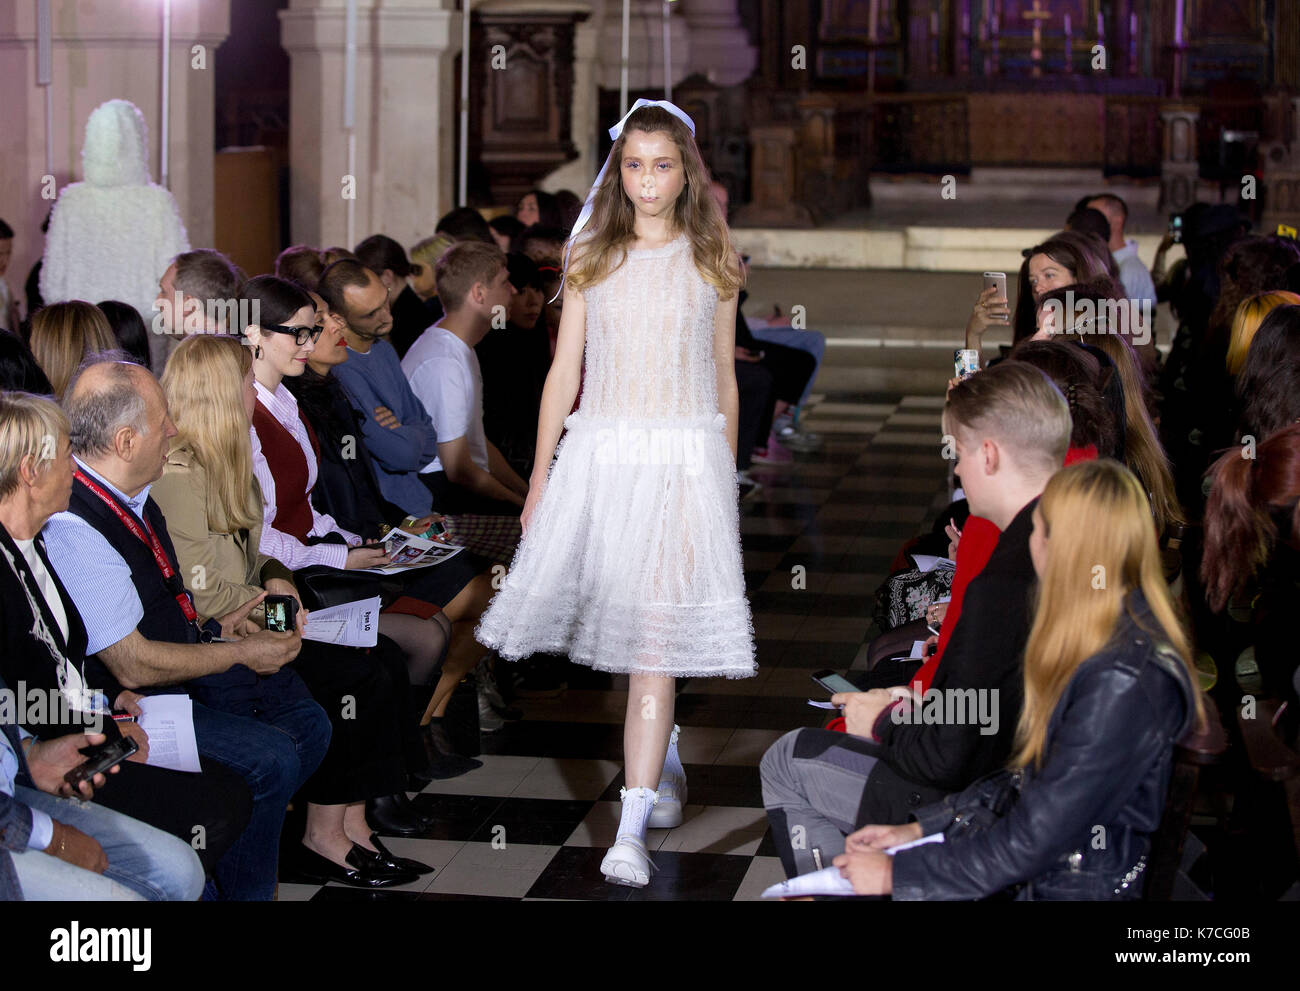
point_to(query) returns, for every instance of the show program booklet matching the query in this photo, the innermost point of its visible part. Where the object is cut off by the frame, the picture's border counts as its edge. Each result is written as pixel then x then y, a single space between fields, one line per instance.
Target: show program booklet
pixel 407 551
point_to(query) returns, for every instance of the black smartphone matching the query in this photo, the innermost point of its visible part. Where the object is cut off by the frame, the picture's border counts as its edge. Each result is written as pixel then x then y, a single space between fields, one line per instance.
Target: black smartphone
pixel 834 683
pixel 281 613
pixel 100 759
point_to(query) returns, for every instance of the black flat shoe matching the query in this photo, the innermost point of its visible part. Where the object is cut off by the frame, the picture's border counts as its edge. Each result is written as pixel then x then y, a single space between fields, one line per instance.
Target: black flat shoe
pixel 393 814
pixel 361 872
pixel 388 858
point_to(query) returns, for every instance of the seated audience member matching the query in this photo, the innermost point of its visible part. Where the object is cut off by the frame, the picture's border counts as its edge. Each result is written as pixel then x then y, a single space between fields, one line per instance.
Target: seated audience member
pixel 113 553
pixel 1269 383
pixel 1133 274
pixel 43 643
pixel 214 514
pixel 387 259
pixel 1089 221
pixel 1245 324
pixel 196 295
pixel 514 360
pixel 1109 689
pixel 19 370
pixel 541 243
pixel 63 334
pixel 505 229
pixel 538 207
pixel 424 256
pixel 570 206
pixel 348 491
pixel 398 431
pixel 55 845
pixel 469 474
pixel 300 263
pixel 1012 429
pixel 286 464
pixel 331 255
pixel 1078 373
pixel 465 224
pixel 128 327
pixel 1252 551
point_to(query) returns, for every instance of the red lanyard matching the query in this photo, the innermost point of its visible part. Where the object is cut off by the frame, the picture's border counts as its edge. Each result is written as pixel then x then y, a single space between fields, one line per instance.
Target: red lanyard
pixel 160 557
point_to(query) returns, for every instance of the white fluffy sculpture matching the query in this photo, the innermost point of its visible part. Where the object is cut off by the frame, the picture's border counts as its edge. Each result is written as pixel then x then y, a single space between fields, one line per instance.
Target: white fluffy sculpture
pixel 113 235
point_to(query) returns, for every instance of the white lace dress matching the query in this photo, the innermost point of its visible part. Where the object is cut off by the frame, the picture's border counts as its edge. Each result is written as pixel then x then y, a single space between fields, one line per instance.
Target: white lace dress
pixel 632 559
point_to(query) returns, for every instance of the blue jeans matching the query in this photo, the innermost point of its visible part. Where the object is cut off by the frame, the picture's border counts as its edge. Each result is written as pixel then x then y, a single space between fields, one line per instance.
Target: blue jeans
pixel 275 751
pixel 812 341
pixel 142 861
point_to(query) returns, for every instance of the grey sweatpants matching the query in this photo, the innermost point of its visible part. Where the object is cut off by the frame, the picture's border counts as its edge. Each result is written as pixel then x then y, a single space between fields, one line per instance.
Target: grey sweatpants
pixel 813 781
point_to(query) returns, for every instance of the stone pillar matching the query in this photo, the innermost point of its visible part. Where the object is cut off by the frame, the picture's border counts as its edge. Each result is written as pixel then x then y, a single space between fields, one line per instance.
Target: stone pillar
pixel 646 49
pixel 406 106
pixel 1179 169
pixel 585 122
pixel 720 45
pixel 101 52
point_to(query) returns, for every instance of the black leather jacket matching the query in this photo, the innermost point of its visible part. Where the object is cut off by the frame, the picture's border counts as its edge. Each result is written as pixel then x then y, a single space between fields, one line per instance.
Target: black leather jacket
pixel 1078 828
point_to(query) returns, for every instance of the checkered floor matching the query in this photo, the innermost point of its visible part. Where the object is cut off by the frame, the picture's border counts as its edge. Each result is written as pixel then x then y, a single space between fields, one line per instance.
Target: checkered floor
pixel 534 822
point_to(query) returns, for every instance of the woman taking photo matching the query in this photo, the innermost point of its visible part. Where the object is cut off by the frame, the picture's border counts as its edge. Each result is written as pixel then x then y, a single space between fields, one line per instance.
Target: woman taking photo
pixel 214 513
pixel 1109 690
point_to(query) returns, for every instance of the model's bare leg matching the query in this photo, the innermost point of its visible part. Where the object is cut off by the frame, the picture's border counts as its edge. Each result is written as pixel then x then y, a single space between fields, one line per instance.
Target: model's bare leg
pixel 646 728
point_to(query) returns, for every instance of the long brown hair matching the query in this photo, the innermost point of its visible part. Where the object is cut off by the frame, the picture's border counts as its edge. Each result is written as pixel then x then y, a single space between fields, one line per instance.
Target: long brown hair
pixel 602 245
pixel 64 334
pixel 204 383
pixel 1247 496
pixel 1095 516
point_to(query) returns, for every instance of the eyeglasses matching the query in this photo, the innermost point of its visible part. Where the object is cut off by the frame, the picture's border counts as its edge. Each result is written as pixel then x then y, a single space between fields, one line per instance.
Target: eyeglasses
pixel 300 334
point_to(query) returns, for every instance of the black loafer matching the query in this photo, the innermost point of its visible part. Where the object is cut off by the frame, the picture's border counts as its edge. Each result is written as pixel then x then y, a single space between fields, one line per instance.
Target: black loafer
pixel 360 872
pixel 394 814
pixel 387 857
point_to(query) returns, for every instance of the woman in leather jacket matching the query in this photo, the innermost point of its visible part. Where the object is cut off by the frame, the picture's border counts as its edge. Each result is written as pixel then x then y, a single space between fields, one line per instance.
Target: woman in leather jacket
pixel 1108 692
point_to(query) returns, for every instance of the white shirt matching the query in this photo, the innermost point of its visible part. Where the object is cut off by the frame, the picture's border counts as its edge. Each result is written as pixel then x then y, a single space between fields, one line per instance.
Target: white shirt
pixel 1133 274
pixel 285 548
pixel 444 374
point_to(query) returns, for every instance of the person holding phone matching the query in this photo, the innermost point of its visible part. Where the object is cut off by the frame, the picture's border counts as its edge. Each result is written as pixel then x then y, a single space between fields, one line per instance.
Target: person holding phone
pixel 55 845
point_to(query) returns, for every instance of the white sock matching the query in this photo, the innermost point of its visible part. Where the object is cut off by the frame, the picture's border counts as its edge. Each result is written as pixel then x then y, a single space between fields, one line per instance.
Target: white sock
pixel 672 762
pixel 637 803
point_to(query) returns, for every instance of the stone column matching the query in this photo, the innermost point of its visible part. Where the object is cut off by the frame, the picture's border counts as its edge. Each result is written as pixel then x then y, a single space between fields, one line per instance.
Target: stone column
pixel 720 45
pixel 585 123
pixel 646 50
pixel 101 52
pixel 406 106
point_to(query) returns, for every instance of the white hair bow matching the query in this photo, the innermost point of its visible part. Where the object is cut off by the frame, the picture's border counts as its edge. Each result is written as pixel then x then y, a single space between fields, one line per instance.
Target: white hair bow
pixel 589 205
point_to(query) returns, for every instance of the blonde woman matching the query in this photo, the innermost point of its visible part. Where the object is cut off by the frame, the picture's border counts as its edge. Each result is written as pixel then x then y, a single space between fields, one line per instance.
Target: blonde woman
pixel 63 334
pixel 1109 688
pixel 213 506
pixel 424 256
pixel 1250 314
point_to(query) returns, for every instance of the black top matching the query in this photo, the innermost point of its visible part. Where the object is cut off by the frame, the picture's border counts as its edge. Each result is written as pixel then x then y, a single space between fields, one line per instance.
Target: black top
pixel 410 318
pixel 514 362
pixel 921 762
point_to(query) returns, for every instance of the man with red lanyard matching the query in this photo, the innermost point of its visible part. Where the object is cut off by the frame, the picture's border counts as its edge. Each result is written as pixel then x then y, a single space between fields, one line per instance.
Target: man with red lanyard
pixel 113 553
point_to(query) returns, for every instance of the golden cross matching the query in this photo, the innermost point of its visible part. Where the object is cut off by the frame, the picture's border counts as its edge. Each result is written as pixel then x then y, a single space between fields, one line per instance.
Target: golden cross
pixel 1037 16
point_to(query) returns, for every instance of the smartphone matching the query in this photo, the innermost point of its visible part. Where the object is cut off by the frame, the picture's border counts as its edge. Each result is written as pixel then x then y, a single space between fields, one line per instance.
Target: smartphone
pixel 100 759
pixel 834 683
pixel 997 280
pixel 281 613
pixel 1176 227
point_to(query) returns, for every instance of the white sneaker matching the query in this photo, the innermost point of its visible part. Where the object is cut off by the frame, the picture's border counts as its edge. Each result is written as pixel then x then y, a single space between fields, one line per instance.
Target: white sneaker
pixel 627 863
pixel 667 813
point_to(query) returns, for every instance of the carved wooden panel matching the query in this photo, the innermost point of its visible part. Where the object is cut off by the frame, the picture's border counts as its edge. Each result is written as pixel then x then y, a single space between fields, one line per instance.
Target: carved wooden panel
pixel 1066 129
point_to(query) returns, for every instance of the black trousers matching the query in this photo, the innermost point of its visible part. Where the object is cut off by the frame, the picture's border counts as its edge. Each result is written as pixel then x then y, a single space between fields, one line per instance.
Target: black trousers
pixel 755 384
pixel 207 810
pixel 451 499
pixel 791 369
pixel 366 700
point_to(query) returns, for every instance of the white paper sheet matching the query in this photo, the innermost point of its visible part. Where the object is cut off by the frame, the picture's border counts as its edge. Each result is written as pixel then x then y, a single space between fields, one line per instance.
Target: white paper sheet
pixel 928 562
pixel 918 651
pixel 351 624
pixel 407 551
pixel 829 881
pixel 169 722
